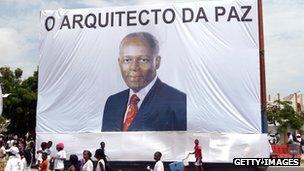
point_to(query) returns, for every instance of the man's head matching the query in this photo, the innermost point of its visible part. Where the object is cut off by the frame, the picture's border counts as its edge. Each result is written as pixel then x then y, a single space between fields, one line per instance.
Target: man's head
pixel 49 144
pixel 196 142
pixel 138 59
pixel 99 154
pixel 157 155
pixel 102 145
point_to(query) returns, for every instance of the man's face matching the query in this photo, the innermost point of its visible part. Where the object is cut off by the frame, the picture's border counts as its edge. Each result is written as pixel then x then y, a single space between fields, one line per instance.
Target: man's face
pixel 137 63
pixel 156 156
pixel 102 145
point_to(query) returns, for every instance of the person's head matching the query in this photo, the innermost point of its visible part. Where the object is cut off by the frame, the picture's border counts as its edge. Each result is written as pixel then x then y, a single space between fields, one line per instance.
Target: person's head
pixel 49 144
pixel 15 143
pixel 14 151
pixel 86 155
pixel 196 142
pixel 102 145
pixel 15 137
pixel 298 136
pixel 59 146
pixel 31 145
pixel 43 145
pixel 99 154
pixel 73 160
pixel 138 59
pixel 44 156
pixel 157 155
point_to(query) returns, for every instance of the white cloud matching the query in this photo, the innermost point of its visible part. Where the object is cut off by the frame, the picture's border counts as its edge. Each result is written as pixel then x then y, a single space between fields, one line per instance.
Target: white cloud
pixel 11 45
pixel 19 32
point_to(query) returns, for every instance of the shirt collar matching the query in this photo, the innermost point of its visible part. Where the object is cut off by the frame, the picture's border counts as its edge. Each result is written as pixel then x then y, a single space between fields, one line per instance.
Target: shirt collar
pixel 141 94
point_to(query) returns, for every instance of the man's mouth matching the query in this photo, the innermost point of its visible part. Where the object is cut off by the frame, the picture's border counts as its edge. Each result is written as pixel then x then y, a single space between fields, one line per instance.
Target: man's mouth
pixel 134 77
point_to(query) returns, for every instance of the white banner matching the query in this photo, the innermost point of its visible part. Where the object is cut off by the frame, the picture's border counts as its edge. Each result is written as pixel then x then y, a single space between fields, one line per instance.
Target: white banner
pixel 174 146
pixel 194 67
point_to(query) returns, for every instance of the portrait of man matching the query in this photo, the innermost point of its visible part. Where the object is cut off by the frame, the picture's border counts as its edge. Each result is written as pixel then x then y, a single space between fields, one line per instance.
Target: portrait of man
pixel 148 104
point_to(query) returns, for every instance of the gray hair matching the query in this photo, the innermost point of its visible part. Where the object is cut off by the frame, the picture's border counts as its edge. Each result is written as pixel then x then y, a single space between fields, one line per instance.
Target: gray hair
pixel 145 36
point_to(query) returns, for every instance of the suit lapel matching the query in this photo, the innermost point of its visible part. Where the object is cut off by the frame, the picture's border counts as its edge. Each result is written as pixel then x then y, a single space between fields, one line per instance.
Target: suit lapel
pixel 155 88
pixel 143 112
pixel 122 107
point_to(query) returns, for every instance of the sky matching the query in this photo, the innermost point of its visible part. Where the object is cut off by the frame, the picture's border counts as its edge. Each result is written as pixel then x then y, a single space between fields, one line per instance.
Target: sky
pixel 283 34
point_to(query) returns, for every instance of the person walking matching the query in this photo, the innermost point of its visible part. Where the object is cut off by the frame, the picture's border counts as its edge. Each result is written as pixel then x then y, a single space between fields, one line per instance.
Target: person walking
pixel 59 158
pixel 159 166
pixel 198 155
pixel 88 164
pixel 99 155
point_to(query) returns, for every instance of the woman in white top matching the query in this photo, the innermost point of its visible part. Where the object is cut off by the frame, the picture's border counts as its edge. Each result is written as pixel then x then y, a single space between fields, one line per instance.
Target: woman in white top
pixel 14 161
pixel 59 158
pixel 88 164
pixel 99 155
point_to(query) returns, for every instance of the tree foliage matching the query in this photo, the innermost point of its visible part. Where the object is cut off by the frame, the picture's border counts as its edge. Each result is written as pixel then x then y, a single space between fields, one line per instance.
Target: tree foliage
pixel 282 115
pixel 20 106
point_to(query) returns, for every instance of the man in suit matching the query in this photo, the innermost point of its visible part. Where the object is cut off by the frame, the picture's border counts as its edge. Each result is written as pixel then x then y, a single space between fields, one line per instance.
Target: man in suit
pixel 148 104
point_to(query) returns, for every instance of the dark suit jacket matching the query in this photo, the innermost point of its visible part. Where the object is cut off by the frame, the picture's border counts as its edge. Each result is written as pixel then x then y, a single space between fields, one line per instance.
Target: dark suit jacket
pixel 163 109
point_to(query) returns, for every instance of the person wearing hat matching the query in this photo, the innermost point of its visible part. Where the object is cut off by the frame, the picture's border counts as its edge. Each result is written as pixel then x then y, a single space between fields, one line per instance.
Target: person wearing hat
pixel 14 162
pixel 59 158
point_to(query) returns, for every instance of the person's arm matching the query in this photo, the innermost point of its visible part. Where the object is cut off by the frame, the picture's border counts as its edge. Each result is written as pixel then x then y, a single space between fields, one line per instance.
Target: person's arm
pixel 149 168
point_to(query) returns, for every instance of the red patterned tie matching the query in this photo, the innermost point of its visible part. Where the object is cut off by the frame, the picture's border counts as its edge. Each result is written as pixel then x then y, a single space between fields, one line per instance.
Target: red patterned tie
pixel 132 111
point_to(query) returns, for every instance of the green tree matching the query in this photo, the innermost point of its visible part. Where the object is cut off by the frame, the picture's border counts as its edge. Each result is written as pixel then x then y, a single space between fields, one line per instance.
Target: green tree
pixel 283 116
pixel 20 106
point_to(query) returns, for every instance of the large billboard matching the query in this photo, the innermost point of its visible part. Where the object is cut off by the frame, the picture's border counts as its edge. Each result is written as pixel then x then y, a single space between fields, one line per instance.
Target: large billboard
pixel 147 78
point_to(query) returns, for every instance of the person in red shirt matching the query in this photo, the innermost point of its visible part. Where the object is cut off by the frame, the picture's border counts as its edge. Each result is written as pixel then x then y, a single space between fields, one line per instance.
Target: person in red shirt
pixel 44 164
pixel 198 155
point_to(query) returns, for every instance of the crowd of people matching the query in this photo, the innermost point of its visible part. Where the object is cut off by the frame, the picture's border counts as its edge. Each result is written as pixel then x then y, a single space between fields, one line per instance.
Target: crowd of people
pixel 56 162
pixel 16 153
pixel 19 154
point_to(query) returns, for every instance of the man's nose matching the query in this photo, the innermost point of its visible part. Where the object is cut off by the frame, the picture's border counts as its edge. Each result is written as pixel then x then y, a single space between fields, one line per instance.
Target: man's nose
pixel 134 65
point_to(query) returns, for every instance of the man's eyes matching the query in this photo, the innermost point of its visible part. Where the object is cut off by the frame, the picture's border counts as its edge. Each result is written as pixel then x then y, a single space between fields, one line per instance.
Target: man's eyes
pixel 140 60
pixel 144 60
pixel 126 60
